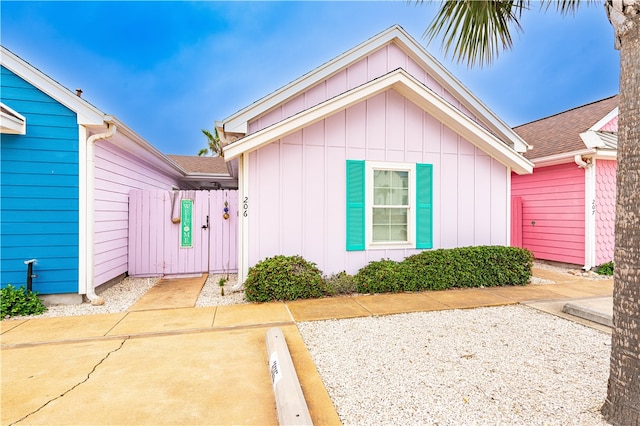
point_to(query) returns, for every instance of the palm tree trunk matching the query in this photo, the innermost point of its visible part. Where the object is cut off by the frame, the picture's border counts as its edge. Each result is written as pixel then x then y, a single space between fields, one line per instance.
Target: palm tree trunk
pixel 622 406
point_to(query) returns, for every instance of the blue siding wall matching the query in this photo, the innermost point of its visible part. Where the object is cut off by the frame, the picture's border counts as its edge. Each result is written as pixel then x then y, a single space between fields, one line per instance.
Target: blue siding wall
pixel 39 191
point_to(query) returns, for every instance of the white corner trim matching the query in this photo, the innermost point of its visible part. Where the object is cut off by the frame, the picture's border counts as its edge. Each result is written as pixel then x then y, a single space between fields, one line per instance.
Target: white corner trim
pixel 508 224
pixel 407 86
pixel 244 212
pixel 84 215
pixel 87 114
pixel 590 215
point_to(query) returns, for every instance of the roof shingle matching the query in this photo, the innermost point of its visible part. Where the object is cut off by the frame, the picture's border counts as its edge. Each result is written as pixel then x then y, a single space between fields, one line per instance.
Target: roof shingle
pixel 560 133
pixel 194 164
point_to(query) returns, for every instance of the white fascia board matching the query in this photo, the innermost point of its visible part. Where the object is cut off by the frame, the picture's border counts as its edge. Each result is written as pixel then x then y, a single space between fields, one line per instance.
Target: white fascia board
pixel 439 73
pixel 565 157
pixel 12 122
pixel 238 122
pixel 463 125
pixel 604 120
pixel 606 154
pixel 87 114
pixel 131 142
pixel 409 87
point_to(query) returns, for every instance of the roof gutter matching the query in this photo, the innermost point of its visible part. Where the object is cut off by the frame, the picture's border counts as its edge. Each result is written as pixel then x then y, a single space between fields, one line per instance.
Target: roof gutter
pixel 90 275
pixel 565 157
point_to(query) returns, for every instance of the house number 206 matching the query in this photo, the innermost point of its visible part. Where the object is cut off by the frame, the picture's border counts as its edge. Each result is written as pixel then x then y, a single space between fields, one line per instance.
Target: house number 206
pixel 245 207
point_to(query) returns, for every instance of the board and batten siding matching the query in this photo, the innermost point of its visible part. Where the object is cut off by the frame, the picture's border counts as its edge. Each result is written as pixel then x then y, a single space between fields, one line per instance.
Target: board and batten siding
pixel 297 202
pixel 384 60
pixel 39 191
pixel 154 239
pixel 553 212
pixel 117 172
pixel 605 209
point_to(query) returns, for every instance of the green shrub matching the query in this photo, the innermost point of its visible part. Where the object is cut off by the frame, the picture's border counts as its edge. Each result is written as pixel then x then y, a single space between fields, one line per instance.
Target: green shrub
pixel 283 278
pixel 340 283
pixel 19 301
pixel 446 268
pixel 605 269
pixel 380 276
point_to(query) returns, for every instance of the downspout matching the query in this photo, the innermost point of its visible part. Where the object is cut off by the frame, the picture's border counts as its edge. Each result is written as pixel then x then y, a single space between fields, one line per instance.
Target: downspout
pixel 90 289
pixel 589 211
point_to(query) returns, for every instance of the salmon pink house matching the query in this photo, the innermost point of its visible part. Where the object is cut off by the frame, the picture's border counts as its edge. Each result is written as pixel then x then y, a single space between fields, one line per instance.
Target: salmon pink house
pixel 565 210
pixel 378 153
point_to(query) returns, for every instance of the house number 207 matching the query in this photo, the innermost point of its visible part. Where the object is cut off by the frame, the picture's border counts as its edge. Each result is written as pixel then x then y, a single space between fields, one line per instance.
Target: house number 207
pixel 245 207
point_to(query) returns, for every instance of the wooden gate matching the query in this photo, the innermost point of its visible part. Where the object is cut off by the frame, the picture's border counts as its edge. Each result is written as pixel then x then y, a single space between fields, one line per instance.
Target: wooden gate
pixel 163 241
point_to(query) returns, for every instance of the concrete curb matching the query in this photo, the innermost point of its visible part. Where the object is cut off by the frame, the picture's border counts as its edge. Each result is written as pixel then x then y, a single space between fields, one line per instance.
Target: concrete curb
pixel 584 312
pixel 290 403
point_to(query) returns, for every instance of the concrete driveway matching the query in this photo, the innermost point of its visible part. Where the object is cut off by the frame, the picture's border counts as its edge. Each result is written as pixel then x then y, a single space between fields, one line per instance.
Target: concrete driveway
pixel 205 366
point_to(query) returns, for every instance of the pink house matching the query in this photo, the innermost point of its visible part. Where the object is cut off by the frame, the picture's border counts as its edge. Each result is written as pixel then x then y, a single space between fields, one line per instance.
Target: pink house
pixel 67 170
pixel 565 210
pixel 378 153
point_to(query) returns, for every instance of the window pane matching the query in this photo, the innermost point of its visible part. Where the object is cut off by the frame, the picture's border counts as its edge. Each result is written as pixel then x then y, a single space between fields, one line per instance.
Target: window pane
pixel 390 188
pixel 398 216
pixel 399 197
pixel 389 224
pixel 380 233
pixel 397 233
pixel 380 196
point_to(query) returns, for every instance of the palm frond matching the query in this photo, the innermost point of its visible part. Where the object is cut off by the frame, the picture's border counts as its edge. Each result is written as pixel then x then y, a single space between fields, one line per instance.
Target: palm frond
pixel 476 31
pixel 214 146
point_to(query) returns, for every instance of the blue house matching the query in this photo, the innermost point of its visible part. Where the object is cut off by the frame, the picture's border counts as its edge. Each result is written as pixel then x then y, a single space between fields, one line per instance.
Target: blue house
pixel 66 171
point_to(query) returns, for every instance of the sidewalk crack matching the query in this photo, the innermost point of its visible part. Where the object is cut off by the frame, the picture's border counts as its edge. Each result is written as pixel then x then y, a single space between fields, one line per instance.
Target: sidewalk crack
pixel 74 386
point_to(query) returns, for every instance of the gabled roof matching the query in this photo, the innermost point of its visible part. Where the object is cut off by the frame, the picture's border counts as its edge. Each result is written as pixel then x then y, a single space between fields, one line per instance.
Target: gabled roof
pixel 87 113
pixel 405 84
pixel 90 116
pixel 561 133
pixel 238 122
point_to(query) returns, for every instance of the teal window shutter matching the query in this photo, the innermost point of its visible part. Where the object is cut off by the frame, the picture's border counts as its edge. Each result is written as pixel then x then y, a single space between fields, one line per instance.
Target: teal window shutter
pixel 424 206
pixel 355 205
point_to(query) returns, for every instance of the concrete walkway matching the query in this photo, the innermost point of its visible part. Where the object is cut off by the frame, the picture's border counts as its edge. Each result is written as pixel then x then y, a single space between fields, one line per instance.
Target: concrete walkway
pixel 203 365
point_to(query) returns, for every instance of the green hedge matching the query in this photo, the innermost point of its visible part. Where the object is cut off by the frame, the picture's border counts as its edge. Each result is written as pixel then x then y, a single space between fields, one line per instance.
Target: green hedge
pixel 446 268
pixel 292 277
pixel 283 278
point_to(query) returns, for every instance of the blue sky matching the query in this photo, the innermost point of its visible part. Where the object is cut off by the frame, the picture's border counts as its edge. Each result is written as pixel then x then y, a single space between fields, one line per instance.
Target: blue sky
pixel 169 69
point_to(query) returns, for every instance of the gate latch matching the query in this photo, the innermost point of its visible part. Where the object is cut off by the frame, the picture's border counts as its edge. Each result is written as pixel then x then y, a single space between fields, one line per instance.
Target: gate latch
pixel 206 226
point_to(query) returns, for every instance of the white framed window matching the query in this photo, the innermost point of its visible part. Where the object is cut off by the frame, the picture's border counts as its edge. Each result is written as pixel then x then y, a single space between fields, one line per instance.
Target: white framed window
pixel 390 205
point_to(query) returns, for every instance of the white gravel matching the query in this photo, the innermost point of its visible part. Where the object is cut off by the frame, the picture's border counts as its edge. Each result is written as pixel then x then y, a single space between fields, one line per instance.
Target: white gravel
pixel 125 293
pixel 504 365
pixel 211 294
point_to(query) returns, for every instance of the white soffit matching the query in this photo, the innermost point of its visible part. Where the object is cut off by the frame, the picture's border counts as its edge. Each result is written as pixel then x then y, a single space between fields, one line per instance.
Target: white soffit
pixel 413 90
pixel 238 122
pixel 12 122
